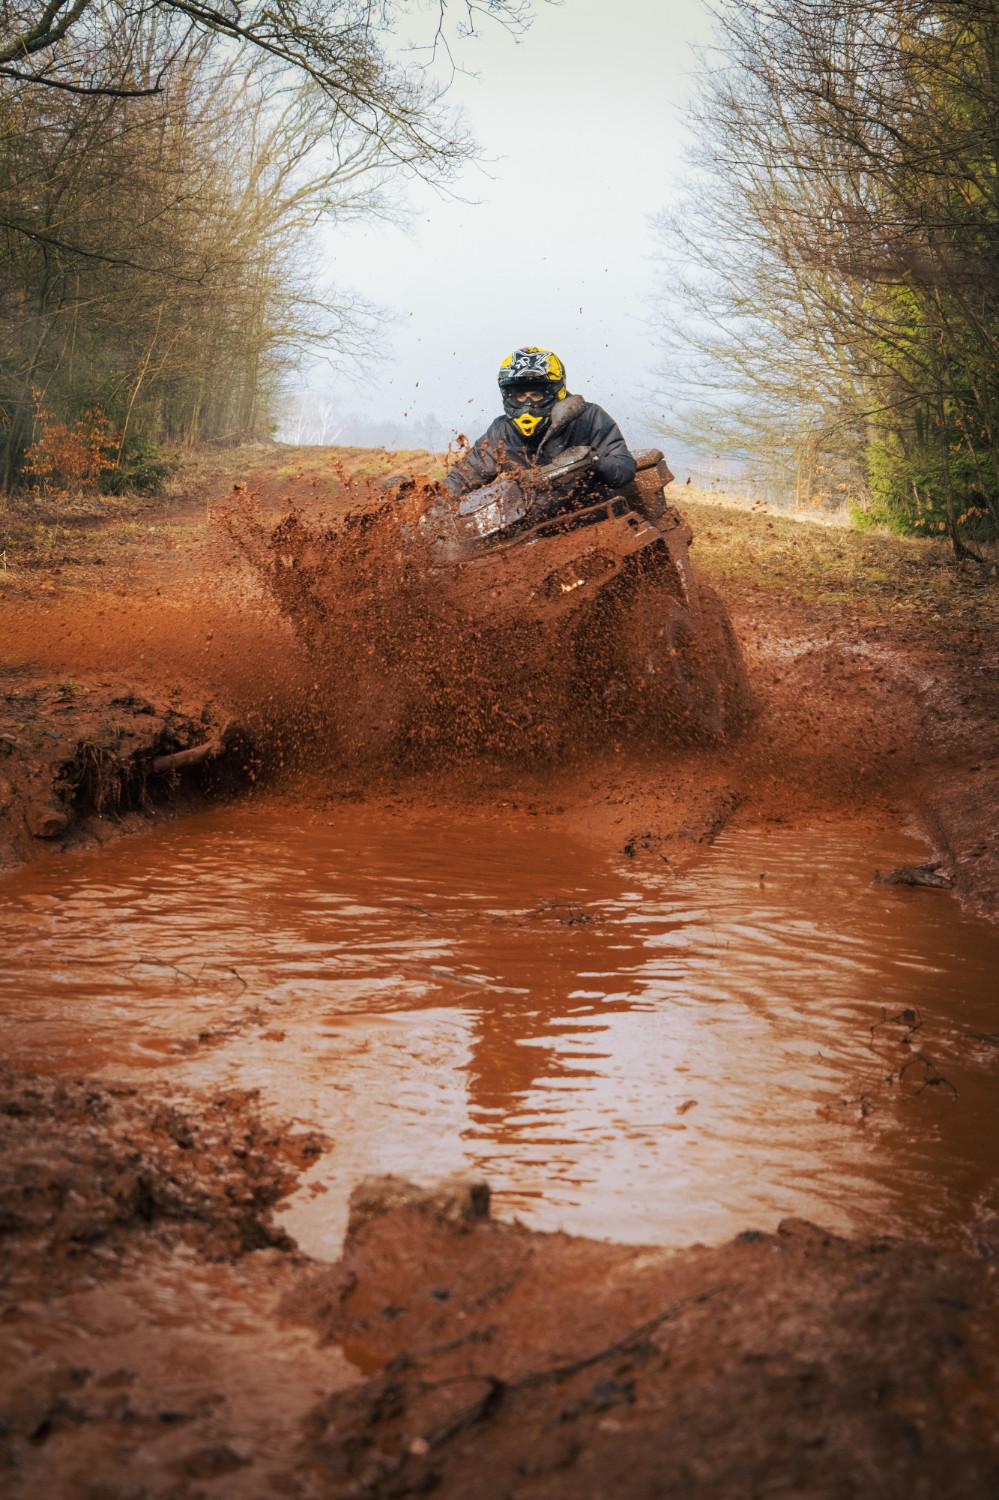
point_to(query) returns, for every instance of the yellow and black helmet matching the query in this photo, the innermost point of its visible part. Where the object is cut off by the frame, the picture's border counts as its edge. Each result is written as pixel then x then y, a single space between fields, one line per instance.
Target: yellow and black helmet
pixel 537 370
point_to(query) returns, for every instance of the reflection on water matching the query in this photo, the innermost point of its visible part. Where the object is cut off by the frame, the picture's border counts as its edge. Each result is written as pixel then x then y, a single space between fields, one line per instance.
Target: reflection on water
pixel 620 1050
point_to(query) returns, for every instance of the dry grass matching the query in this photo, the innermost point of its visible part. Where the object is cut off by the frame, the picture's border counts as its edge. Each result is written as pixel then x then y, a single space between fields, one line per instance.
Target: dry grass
pixel 906 580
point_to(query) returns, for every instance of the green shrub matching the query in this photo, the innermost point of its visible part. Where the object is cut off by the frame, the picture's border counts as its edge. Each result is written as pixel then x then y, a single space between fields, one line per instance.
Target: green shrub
pixel 909 487
pixel 143 468
pixel 879 514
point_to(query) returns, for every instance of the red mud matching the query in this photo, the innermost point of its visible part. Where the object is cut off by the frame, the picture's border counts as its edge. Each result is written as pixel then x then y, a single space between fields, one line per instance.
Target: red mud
pixel 491 1362
pixel 853 714
pixel 144 1353
pixel 792 1363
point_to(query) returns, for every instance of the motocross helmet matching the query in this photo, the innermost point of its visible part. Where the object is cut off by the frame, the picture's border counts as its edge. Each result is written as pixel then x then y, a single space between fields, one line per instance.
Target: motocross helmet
pixel 538 370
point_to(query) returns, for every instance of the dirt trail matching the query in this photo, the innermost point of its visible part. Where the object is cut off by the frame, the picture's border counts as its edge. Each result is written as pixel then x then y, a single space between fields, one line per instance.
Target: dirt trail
pixel 875 662
pixel 163 1339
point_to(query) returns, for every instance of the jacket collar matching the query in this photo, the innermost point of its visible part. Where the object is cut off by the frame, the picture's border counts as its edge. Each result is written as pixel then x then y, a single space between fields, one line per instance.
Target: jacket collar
pixel 565 412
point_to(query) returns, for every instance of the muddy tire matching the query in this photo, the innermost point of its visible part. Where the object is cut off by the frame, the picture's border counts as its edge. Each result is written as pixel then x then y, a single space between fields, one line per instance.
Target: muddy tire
pixel 664 671
pixel 726 659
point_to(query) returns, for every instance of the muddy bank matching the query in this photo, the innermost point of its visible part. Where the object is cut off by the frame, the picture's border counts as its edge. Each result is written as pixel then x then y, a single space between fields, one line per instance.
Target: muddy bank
pixel 86 760
pixel 855 713
pixel 93 1173
pixel 960 813
pixel 141 1265
pixel 447 1353
pixel 510 1364
pixel 879 647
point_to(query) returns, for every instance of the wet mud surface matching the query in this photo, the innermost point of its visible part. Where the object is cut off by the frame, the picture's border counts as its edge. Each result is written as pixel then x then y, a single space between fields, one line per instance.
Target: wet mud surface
pixel 141 1267
pixel 787 1363
pixel 640 1045
pixel 660 1039
pixel 90 1168
pixel 652 994
pixel 447 1353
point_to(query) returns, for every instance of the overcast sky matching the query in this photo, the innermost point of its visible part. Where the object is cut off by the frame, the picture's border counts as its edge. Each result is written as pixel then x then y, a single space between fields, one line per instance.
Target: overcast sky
pixel 581 123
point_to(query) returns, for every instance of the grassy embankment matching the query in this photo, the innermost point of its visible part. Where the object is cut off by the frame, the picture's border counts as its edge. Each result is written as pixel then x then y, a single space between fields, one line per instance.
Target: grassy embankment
pixel 905 592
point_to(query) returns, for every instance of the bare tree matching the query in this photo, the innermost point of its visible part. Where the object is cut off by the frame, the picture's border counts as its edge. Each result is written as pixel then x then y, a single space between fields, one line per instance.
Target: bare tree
pixel 90 47
pixel 157 257
pixel 164 167
pixel 839 272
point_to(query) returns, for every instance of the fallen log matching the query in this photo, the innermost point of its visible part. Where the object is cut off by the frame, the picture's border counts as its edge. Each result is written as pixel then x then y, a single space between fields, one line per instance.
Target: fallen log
pixel 196 754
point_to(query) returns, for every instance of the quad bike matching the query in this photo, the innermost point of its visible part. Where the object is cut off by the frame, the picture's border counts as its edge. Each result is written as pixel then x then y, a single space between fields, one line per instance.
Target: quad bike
pixel 646 641
pixel 533 582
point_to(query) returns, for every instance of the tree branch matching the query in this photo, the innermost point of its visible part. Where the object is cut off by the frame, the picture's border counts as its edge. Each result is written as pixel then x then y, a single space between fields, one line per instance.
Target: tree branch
pixel 99 91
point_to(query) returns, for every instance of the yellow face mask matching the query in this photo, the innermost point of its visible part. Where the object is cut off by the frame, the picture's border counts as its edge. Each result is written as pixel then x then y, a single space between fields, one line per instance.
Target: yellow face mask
pixel 527 423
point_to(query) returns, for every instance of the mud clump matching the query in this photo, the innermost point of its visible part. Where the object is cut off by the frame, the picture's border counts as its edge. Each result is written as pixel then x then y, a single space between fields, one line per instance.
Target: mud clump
pixel 91 1171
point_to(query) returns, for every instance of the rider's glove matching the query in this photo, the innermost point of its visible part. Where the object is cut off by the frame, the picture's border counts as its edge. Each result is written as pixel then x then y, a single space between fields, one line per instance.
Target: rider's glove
pixel 569 470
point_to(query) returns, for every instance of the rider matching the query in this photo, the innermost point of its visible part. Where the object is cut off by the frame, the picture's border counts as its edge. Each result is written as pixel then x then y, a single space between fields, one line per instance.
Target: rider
pixel 541 420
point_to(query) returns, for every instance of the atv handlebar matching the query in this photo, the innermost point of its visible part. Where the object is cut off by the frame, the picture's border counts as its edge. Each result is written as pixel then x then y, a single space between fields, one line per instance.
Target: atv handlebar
pixel 516 495
pixel 566 471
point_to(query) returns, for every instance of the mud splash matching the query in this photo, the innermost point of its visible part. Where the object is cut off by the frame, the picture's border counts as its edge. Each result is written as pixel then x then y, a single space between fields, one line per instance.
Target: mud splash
pixel 401 674
pixel 620 1048
pixel 428 649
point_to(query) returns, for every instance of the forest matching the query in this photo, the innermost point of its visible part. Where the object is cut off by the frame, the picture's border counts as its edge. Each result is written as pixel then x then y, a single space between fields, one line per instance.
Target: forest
pixel 836 262
pixel 830 285
pixel 165 170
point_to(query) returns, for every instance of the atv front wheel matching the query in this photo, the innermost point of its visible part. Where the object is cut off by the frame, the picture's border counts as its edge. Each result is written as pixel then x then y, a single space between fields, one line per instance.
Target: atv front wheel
pixel 727 659
pixel 665 671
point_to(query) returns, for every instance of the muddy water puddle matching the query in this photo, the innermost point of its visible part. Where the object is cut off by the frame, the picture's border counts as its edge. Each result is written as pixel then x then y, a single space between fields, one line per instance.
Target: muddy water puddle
pixel 620 1049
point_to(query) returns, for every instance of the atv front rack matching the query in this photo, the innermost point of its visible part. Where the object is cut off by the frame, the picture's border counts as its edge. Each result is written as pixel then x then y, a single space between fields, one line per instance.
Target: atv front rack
pixel 612 508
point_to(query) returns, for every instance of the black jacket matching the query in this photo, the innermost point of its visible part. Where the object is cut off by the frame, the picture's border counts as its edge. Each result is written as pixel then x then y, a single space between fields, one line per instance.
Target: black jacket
pixel 573 421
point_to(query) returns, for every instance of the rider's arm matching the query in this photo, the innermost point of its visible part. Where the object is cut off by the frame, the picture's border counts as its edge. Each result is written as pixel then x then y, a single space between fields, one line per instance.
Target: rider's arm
pixel 614 465
pixel 478 467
